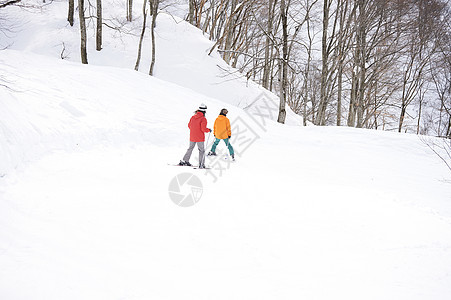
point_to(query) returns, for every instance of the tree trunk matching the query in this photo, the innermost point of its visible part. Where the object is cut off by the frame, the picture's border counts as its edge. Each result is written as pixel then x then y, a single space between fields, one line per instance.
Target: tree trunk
pixel 448 130
pixel 129 10
pixel 268 46
pixel 99 26
pixel 283 63
pixel 321 116
pixel 376 123
pixel 361 50
pixel 307 70
pixel 230 31
pixel 419 116
pixel 70 15
pixel 340 91
pixel 341 57
pixel 352 102
pixel 141 38
pixel 306 82
pixel 192 12
pixel 10 2
pixel 155 4
pixel 401 117
pixel 81 13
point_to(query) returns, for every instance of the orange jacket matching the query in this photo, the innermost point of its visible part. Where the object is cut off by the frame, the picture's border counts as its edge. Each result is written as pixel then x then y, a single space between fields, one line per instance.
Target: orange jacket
pixel 222 128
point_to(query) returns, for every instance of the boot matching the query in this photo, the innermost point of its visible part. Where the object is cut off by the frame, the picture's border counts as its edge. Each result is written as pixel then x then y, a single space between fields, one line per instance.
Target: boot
pixel 184 163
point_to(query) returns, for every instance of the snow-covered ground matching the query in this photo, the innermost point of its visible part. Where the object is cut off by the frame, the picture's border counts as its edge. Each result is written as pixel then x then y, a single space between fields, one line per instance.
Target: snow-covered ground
pixel 304 212
pixel 181 50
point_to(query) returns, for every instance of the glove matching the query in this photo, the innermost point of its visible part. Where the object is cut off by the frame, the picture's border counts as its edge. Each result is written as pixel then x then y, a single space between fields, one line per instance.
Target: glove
pixel 230 136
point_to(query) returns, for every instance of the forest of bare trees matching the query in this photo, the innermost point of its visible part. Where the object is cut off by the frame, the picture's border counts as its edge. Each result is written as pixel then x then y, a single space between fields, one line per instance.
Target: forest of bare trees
pixel 370 64
pixel 379 64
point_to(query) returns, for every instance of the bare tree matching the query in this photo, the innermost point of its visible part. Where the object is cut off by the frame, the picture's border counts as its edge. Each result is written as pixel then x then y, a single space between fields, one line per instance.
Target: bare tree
pixel 154 11
pixel 369 70
pixel 232 29
pixel 377 30
pixel 442 83
pixel 141 38
pixel 129 10
pixel 269 46
pixel 419 51
pixel 230 32
pixel 8 2
pixel 441 74
pixel 283 62
pixel 99 26
pixel 70 14
pixel 191 13
pixel 81 13
pixel 325 73
pixel 343 46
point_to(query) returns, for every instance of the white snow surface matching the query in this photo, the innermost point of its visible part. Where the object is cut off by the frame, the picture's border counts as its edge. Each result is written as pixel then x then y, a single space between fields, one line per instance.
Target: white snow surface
pixel 304 212
pixel 181 49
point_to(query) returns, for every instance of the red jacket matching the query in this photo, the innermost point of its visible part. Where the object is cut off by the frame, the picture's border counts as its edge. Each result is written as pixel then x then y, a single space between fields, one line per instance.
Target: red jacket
pixel 198 127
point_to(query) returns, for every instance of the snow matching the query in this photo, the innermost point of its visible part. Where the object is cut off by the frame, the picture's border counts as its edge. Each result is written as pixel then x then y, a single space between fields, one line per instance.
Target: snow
pixel 181 54
pixel 304 213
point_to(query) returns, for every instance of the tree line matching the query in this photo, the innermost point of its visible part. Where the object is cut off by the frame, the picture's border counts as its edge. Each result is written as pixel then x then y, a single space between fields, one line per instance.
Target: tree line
pixel 360 63
pixel 379 64
pixel 149 7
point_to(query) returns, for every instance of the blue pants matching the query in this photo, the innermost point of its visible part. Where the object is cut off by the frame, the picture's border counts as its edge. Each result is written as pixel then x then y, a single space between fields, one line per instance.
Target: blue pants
pixel 226 141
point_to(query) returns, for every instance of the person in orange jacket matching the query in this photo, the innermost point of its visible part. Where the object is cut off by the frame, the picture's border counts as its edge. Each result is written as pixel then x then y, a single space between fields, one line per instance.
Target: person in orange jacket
pixel 198 127
pixel 222 131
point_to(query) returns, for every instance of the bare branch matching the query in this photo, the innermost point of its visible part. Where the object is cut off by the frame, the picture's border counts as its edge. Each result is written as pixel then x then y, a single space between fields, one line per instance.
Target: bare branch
pixel 7 3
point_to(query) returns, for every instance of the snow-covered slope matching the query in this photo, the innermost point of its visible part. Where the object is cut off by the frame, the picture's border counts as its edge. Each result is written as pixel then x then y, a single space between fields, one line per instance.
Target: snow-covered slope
pixel 51 104
pixel 181 49
pixel 304 213
pixel 313 213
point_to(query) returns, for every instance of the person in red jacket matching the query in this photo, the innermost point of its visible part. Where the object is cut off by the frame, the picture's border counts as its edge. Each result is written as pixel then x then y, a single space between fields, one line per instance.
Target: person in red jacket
pixel 198 127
